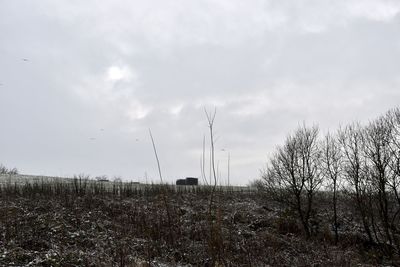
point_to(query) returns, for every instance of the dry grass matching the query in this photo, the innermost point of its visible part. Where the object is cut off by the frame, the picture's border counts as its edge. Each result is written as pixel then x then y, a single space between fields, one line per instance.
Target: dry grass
pixel 60 224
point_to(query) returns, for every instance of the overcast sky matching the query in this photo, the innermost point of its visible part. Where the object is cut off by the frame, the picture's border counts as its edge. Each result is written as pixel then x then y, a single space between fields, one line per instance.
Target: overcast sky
pixel 81 82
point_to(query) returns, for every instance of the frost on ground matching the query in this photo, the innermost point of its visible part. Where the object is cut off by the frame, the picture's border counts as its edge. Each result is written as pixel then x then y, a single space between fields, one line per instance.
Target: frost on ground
pixel 107 230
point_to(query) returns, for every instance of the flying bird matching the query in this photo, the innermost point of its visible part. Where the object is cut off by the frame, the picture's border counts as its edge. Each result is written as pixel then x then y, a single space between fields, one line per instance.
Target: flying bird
pixel 25 59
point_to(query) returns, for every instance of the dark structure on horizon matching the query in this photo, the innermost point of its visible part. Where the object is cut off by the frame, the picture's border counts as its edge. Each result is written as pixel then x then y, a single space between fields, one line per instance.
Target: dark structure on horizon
pixel 188 181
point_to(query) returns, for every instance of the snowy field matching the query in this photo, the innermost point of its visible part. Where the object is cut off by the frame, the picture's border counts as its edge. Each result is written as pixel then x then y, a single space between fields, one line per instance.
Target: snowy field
pixel 21 179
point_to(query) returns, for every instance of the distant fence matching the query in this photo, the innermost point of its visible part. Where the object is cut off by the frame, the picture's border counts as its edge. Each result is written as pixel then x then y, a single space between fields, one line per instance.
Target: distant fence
pixel 23 179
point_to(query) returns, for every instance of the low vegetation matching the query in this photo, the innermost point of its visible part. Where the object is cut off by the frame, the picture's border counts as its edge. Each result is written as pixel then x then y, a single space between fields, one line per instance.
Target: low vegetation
pixel 89 223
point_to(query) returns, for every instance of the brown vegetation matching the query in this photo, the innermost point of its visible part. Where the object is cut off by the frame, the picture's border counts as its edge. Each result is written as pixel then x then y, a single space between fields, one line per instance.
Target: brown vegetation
pixel 58 224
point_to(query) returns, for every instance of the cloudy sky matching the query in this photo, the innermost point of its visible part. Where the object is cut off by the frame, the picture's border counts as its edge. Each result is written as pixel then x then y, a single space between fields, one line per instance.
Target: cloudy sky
pixel 81 82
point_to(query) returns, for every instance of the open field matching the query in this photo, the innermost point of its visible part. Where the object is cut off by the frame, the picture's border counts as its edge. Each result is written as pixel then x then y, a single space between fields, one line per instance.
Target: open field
pixel 22 179
pixel 59 224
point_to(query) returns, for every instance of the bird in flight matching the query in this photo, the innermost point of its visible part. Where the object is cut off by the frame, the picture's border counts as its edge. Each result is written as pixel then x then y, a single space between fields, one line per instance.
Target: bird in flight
pixel 25 59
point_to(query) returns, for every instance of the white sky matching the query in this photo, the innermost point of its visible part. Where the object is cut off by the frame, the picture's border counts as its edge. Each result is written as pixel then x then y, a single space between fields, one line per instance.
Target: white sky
pixel 100 73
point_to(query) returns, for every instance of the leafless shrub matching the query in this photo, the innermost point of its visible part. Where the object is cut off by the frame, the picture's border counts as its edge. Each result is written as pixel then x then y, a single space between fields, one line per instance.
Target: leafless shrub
pixel 5 170
pixel 80 183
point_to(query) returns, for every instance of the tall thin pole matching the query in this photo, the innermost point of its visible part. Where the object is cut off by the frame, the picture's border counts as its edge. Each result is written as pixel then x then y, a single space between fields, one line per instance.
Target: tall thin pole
pixel 229 161
pixel 211 158
pixel 155 153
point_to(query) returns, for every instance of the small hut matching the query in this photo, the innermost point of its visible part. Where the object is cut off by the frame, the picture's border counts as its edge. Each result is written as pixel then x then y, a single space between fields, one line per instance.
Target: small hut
pixel 188 181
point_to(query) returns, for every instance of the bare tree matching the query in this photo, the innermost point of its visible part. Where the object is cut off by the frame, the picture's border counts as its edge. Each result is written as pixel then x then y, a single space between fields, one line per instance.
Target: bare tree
pixel 332 159
pixel 215 241
pixel 379 156
pixel 352 142
pixel 393 118
pixel 293 175
pixel 364 161
pixel 213 174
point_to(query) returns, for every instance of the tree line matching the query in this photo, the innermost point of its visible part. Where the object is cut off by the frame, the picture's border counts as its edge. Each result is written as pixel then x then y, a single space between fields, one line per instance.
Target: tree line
pixel 357 162
pixel 5 170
